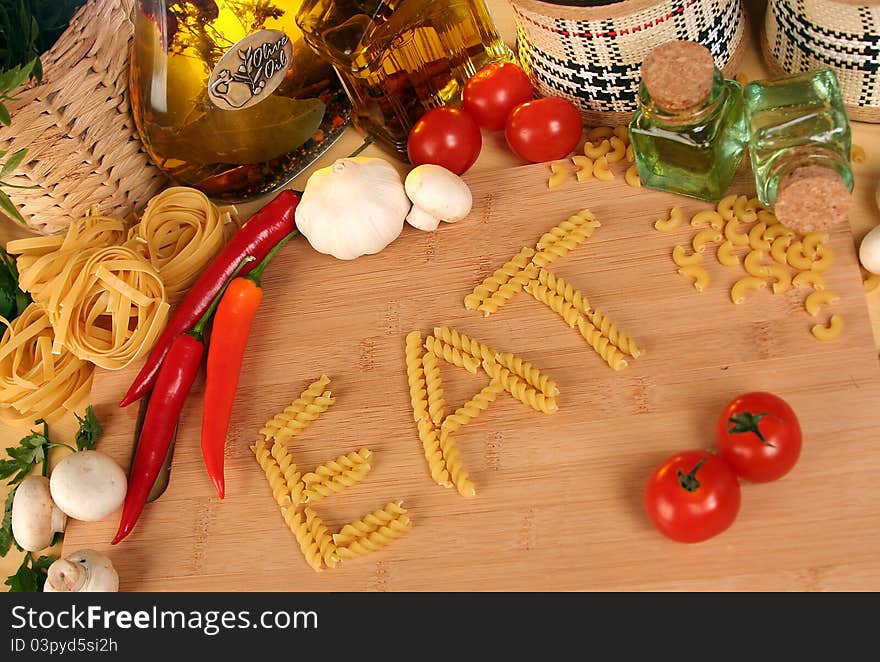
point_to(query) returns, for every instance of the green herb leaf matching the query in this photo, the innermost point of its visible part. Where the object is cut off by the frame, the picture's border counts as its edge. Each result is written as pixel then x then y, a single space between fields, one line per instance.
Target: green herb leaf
pixel 6 525
pixel 89 430
pixel 31 450
pixel 13 300
pixel 9 208
pixel 4 115
pixel 31 575
pixel 13 162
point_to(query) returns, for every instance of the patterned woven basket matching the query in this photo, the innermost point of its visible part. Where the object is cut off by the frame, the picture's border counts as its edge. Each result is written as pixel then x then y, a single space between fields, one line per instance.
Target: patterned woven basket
pixel 800 35
pixel 592 55
pixel 83 148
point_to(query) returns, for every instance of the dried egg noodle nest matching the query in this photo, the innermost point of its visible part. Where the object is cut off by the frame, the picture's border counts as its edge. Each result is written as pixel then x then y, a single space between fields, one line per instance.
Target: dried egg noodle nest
pixel 34 382
pixel 180 232
pixel 107 306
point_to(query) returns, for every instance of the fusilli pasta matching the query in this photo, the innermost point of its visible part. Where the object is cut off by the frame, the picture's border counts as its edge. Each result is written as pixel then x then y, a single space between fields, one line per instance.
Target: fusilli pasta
pixel 434 386
pixel 415 374
pixel 451 354
pixel 336 475
pixel 376 540
pixel 494 282
pixel 525 370
pixel 470 409
pixel 464 343
pixel 520 389
pixel 281 491
pixel 393 515
pixel 292 476
pixel 429 435
pixel 308 397
pixel 314 540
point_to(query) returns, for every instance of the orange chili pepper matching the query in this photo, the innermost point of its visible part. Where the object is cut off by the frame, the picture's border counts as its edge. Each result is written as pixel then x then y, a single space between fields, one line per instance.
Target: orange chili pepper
pixel 232 325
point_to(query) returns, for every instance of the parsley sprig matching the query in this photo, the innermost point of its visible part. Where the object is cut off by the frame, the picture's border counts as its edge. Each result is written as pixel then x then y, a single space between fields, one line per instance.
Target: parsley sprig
pixel 31 574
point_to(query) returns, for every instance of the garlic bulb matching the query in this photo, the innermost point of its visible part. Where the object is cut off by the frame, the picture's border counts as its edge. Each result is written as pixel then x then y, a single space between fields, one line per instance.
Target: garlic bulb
pixel 354 207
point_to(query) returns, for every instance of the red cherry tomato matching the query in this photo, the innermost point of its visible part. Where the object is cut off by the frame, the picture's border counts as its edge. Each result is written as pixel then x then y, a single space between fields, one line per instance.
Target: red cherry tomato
pixel 446 137
pixel 493 92
pixel 692 496
pixel 544 130
pixel 759 437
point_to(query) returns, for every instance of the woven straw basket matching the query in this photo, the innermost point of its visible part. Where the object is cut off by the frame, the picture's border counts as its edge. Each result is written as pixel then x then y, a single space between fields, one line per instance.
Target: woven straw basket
pixel 82 144
pixel 800 35
pixel 593 55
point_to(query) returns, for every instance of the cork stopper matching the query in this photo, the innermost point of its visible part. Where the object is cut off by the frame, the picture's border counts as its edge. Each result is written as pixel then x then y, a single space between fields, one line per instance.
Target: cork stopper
pixel 812 198
pixel 679 75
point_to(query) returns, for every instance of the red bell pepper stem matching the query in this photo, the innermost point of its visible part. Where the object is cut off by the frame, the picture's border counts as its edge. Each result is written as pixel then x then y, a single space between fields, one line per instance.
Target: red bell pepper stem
pixel 173 384
pixel 232 325
pixel 255 238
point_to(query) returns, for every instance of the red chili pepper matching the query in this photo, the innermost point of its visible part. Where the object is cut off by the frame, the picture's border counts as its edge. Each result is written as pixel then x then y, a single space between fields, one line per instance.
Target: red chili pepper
pixel 255 238
pixel 173 384
pixel 232 325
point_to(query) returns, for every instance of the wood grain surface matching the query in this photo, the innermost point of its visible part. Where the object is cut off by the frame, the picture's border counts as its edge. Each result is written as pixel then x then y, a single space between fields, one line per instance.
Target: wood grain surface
pixel 559 497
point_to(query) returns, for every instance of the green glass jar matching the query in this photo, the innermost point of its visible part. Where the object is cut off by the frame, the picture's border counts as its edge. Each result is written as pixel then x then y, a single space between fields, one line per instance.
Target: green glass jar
pixel 799 146
pixel 689 133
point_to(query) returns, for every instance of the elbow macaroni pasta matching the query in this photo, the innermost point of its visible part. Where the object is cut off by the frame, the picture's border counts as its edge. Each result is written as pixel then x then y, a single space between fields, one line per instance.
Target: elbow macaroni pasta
pixel 779 249
pixel 796 257
pixel 818 298
pixel 824 258
pixel 596 152
pixel 743 286
pixel 630 154
pixel 698 274
pixel 707 218
pixel 830 332
pixel 725 254
pixel 704 238
pixel 725 207
pixel 617 151
pixel 756 238
pixel 810 279
pixel 632 177
pixel 584 165
pixel 601 171
pixel 811 243
pixel 733 235
pixel 743 209
pixel 558 175
pixel 753 264
pixel 674 221
pixel 782 278
pixel 682 259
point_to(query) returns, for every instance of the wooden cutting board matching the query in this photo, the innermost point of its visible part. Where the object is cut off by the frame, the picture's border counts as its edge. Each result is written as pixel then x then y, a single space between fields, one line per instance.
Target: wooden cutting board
pixel 559 498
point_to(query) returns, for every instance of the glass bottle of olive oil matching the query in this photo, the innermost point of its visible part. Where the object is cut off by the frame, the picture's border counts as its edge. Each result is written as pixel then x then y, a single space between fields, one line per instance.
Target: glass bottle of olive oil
pixel 689 133
pixel 226 95
pixel 400 58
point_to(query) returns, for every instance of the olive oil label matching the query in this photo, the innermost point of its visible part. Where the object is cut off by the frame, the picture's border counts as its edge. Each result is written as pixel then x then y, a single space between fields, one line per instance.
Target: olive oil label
pixel 250 70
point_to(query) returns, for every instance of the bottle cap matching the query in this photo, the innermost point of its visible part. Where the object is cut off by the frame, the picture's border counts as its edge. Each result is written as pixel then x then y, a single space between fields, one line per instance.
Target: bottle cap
pixel 679 75
pixel 812 198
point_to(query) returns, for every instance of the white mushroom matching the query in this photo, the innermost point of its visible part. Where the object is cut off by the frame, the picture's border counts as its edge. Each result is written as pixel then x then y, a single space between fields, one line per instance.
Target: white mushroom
pixel 88 486
pixel 437 195
pixel 85 571
pixel 35 518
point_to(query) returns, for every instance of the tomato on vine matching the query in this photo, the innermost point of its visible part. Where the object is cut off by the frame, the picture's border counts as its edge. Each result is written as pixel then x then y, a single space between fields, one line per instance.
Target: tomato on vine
pixel 759 436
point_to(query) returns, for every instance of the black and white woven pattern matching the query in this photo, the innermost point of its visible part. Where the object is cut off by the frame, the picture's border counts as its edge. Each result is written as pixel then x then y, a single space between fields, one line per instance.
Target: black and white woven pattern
pixel 596 63
pixel 802 35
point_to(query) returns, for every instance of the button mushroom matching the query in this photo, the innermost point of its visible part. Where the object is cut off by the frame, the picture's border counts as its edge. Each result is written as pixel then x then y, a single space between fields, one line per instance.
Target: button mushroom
pixel 88 486
pixel 85 571
pixel 35 518
pixel 437 195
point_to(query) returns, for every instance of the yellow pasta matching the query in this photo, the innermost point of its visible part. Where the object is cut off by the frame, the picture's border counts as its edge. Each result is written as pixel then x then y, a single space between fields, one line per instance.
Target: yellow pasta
pixel 706 219
pixel 674 221
pixel 630 154
pixel 781 278
pixel 818 298
pixel 632 177
pixel 768 217
pixel 564 289
pixel 470 409
pixel 526 371
pixel 725 254
pixel 501 276
pixel 810 279
pixel 393 515
pixel 292 476
pixel 779 249
pixel 756 238
pixel 753 264
pixel 704 238
pixel 609 329
pixel 415 374
pixel 755 205
pixel 429 435
pixel 811 243
pixel 596 152
pixel 336 475
pixel 554 244
pixel 682 259
pixel 376 540
pixel 725 207
pixel 733 234
pixel 314 540
pixel 601 171
pixel 34 382
pixel 464 343
pixel 559 174
pixel 297 409
pixel 555 302
pixel 452 355
pixel 824 258
pixel 584 165
pixel 830 332
pixel 520 390
pixel 743 286
pixel 699 275
pixel 179 233
pixel 509 289
pixel 434 386
pixel 796 257
pixel 773 232
pixel 858 154
pixel 743 211
pixel 602 345
pixel 622 132
pixel 281 491
pixel 617 151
